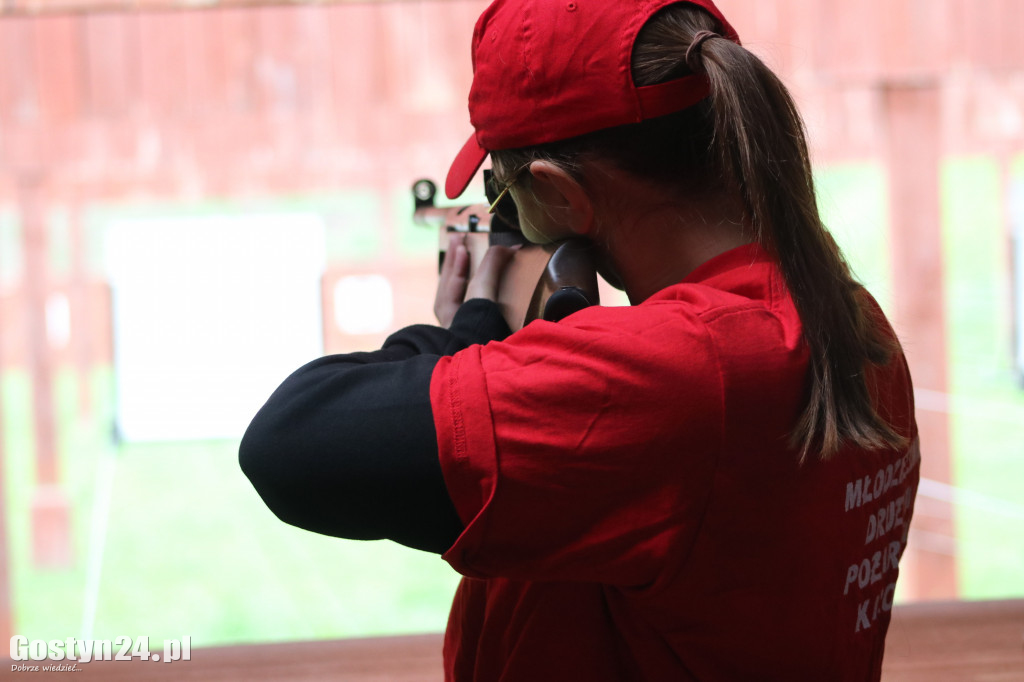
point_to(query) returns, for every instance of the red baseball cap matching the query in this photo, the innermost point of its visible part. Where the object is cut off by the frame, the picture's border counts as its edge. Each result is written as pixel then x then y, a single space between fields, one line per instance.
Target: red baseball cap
pixel 547 70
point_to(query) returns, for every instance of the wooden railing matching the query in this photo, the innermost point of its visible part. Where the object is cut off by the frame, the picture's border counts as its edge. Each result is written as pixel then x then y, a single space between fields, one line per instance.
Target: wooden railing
pixel 928 642
pixel 956 641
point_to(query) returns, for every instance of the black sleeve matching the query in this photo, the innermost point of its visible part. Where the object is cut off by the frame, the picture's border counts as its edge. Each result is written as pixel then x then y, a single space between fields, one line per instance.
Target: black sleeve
pixel 346 446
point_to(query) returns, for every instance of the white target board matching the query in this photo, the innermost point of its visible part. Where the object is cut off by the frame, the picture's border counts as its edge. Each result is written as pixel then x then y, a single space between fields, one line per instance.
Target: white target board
pixel 210 314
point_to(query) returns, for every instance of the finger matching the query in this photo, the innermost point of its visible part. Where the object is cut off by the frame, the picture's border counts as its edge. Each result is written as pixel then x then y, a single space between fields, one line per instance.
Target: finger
pixel 454 281
pixel 448 263
pixel 451 286
pixel 487 279
pixel 455 269
pixel 462 259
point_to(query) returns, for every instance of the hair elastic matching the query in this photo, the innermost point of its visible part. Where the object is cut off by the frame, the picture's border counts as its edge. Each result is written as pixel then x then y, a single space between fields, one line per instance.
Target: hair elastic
pixel 691 51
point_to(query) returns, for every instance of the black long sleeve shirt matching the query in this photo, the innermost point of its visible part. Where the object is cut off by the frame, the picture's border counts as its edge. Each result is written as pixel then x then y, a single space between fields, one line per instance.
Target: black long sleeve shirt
pixel 346 446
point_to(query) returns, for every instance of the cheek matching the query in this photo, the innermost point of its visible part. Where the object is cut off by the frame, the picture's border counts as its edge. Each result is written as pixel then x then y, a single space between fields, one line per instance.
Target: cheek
pixel 532 234
pixel 537 225
pixel 529 223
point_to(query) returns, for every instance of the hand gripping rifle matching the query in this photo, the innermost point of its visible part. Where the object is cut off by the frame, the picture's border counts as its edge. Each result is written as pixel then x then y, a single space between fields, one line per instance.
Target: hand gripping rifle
pixel 545 282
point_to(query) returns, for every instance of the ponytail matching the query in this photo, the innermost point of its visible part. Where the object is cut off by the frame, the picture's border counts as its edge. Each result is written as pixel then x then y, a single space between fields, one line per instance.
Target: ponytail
pixel 759 145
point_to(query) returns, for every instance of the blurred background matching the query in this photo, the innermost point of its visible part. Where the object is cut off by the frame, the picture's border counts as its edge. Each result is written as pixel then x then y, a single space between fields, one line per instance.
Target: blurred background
pixel 195 201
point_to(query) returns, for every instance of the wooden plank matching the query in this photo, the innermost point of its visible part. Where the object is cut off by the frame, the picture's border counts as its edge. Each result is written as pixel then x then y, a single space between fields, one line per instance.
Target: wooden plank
pixel 986 32
pixel 908 50
pixel 18 100
pixel 59 82
pixel 239 56
pixel 32 210
pixel 278 73
pixel 357 80
pixel 797 38
pixel 313 41
pixel 851 51
pixel 220 120
pixel 10 31
pixel 6 606
pixel 203 63
pixel 82 313
pixel 161 58
pixel 1010 55
pixel 915 237
pixel 109 90
pixel 956 641
pixel 50 508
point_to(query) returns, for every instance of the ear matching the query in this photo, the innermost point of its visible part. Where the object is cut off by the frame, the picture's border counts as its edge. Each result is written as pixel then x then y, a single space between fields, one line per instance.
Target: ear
pixel 563 196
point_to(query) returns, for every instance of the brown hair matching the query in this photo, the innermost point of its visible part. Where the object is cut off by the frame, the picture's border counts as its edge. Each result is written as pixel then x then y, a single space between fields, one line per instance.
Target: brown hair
pixel 748 139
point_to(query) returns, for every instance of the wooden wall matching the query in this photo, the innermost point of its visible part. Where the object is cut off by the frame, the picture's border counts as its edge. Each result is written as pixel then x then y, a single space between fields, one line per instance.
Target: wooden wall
pixel 227 102
pixel 232 100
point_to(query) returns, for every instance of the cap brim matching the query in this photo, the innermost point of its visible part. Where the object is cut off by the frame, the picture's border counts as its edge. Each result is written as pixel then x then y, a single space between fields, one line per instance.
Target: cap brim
pixel 465 166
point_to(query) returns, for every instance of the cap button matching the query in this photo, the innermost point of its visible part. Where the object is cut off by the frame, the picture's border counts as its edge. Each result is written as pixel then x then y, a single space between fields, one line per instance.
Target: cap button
pixel 571 7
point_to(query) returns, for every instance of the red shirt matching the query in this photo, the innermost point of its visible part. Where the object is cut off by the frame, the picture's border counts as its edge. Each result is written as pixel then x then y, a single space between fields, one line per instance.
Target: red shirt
pixel 632 508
